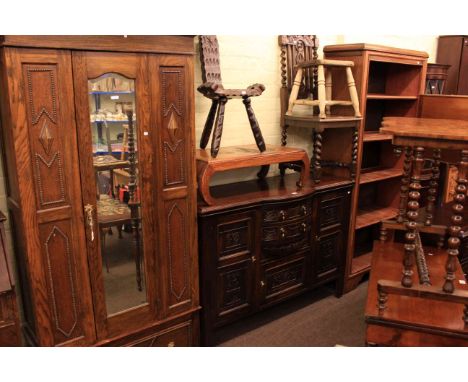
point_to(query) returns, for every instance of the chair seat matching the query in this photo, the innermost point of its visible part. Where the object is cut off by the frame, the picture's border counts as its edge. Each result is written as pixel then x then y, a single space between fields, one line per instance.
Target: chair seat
pixel 213 91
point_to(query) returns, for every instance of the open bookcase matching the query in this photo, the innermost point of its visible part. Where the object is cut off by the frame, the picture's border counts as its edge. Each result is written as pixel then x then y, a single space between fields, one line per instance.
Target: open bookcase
pixel 389 82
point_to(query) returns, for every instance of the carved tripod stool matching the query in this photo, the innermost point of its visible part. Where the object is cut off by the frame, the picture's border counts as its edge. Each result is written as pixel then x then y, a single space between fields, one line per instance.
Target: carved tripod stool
pixel 324 85
pixel 213 89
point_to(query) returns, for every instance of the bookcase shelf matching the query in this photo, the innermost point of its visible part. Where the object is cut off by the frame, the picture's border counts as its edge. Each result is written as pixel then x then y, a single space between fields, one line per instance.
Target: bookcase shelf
pixel 380 174
pixel 372 215
pixel 390 97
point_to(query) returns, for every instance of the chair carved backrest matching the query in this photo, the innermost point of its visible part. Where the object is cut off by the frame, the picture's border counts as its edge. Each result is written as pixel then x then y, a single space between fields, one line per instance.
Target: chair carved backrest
pixel 209 56
pixel 294 50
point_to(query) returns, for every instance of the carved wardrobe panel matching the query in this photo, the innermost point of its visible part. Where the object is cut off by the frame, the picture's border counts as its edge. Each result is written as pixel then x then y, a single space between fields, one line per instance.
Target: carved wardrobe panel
pixel 45 146
pixel 172 78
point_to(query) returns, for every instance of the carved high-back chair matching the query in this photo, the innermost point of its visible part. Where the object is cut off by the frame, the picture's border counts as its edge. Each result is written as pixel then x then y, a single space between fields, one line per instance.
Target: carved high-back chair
pixel 296 49
pixel 213 89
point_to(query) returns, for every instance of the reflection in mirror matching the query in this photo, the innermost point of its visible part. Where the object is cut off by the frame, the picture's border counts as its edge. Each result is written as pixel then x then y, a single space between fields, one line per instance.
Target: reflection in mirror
pixel 115 161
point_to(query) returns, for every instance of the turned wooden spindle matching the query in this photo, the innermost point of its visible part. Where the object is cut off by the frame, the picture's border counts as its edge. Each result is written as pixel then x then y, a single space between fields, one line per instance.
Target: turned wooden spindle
pixel 383 234
pixel 382 299
pixel 440 241
pixel 295 90
pixel 412 214
pixel 322 97
pixel 328 89
pixel 405 180
pixel 352 91
pixel 134 203
pixel 317 156
pixel 433 184
pixel 284 135
pixel 456 220
pixel 354 153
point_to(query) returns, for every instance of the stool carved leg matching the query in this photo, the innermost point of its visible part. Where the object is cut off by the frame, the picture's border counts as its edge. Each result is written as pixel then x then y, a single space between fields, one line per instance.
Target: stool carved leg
pixel 457 220
pixel 216 140
pixel 295 90
pixel 412 214
pixel 257 133
pixel 205 137
pixel 433 184
pixel 405 180
pixel 353 92
pixel 321 91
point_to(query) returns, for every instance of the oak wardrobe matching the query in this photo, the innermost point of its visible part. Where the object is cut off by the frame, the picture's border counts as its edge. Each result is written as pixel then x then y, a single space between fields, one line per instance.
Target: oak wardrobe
pixel 98 136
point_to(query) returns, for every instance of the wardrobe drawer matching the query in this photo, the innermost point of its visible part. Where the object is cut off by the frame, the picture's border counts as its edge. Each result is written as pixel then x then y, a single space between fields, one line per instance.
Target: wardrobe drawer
pixel 179 335
pixel 286 211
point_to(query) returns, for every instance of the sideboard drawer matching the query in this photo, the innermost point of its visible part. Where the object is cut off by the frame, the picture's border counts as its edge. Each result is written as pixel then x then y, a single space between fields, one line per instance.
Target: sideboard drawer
pixel 282 212
pixel 282 239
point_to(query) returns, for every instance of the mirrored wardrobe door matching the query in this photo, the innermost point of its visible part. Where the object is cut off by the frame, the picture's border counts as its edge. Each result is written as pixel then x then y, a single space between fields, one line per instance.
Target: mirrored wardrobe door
pixel 113 132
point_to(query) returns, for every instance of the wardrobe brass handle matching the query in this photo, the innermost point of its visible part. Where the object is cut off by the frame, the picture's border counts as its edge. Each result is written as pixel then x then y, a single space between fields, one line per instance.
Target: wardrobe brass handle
pixel 171 344
pixel 283 233
pixel 254 259
pixel 304 227
pixel 304 210
pixel 282 215
pixel 262 283
pixel 89 218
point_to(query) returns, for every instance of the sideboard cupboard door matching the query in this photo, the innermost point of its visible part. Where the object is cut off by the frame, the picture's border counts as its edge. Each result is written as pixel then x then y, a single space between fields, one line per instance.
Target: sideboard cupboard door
pixel 116 165
pixel 45 196
pixel 172 110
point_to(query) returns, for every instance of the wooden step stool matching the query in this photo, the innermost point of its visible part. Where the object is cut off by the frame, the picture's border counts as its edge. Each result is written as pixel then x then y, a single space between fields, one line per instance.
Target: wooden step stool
pixel 324 85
